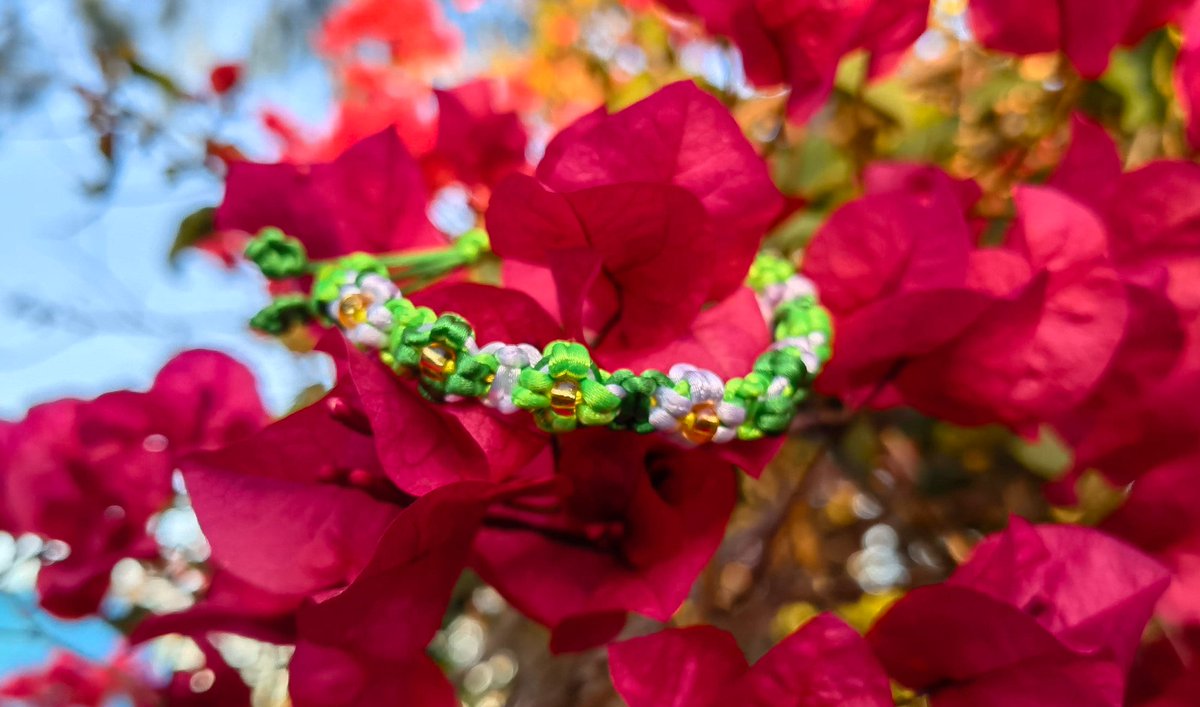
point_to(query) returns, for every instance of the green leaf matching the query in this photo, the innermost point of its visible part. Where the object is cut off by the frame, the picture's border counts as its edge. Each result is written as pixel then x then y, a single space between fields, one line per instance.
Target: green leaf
pixel 194 228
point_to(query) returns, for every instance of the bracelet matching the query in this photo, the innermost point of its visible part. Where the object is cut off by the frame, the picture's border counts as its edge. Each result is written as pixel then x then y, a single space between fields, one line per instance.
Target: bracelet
pixel 560 385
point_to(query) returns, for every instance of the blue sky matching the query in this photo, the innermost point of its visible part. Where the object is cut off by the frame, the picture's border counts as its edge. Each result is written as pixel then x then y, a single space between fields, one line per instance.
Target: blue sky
pixel 87 301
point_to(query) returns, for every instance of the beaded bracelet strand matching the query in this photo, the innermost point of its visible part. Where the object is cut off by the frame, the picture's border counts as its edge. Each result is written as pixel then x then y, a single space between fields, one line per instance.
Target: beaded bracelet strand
pixel 560 385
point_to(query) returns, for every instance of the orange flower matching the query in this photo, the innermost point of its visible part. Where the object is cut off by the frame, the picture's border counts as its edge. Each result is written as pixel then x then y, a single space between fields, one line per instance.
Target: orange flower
pixel 415 31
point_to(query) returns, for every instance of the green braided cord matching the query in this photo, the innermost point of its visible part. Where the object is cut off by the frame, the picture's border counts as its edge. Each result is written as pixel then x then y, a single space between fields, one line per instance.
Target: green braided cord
pixel 432 264
pixel 563 389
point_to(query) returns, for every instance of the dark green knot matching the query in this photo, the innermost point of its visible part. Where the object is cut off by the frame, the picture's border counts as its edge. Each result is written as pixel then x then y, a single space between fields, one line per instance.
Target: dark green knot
pixel 785 363
pixel 277 255
pixel 283 314
pixel 435 352
pixel 473 376
pixel 634 413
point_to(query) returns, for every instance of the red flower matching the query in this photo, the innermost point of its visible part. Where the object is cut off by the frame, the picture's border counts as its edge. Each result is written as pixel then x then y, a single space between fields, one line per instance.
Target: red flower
pixel 370 198
pixel 1159 518
pixel 1045 615
pixel 1018 334
pixel 91 474
pixel 1187 72
pixel 626 525
pixel 1087 32
pixel 1140 413
pixel 823 664
pixel 1165 673
pixel 478 141
pixel 1041 347
pixel 343 564
pixel 883 265
pixel 373 99
pixel 366 645
pixel 639 219
pixel 415 31
pixel 71 680
pixel 801 43
pixel 471 133
pixel 224 78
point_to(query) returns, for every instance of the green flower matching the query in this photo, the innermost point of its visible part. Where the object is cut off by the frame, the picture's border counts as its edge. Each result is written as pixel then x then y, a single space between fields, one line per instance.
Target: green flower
pixel 329 278
pixel 435 351
pixel 473 376
pixel 283 314
pixel 767 270
pixel 278 255
pixel 565 390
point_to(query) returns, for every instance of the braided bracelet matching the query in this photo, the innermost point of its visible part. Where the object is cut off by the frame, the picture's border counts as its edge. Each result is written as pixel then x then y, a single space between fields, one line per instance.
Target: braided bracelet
pixel 560 385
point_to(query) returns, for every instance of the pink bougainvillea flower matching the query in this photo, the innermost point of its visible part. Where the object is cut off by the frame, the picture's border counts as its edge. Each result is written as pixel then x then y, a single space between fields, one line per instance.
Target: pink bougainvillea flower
pixel 1167 670
pixel 366 645
pixel 1159 518
pixel 1138 415
pixel 801 43
pixel 1043 345
pixel 479 141
pixel 341 557
pixel 373 99
pixel 1018 334
pixel 627 527
pixel 370 198
pixel 470 134
pixel 883 264
pixel 1087 32
pixel 641 218
pixel 91 473
pixel 1152 228
pixel 416 32
pixel 1044 615
pixel 823 664
pixel 1187 72
pixel 70 680
pixel 678 136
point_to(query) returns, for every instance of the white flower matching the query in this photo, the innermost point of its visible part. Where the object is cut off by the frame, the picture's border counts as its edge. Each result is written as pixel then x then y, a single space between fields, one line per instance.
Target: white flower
pixel 512 358
pixel 360 309
pixel 700 416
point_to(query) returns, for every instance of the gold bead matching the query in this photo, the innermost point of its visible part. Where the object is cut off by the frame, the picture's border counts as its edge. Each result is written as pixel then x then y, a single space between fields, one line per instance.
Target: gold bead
pixel 701 424
pixel 352 310
pixel 564 397
pixel 437 361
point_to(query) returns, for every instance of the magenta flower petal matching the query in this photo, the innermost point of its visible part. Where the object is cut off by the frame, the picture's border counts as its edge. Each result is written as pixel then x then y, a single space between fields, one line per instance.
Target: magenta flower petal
pixel 370 198
pixel 639 520
pixel 684 667
pixel 825 663
pixel 683 137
